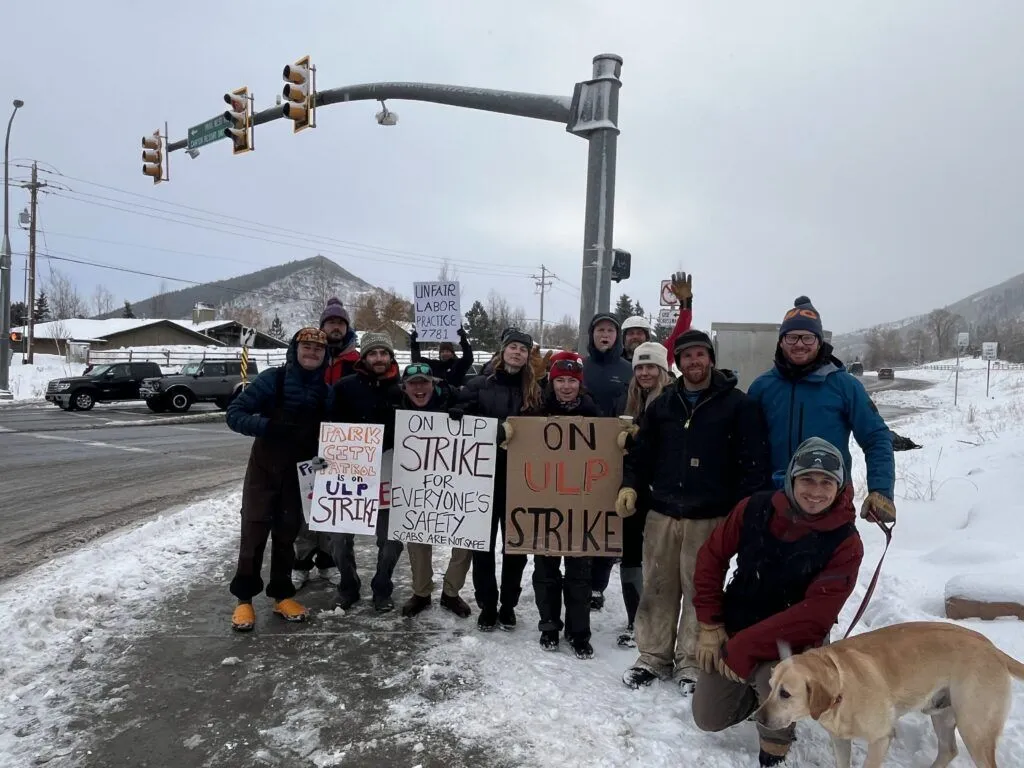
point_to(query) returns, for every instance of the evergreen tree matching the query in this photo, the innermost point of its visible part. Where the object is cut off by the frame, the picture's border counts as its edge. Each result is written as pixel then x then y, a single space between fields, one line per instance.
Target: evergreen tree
pixel 41 313
pixel 277 328
pixel 19 314
pixel 624 308
pixel 480 328
pixel 638 311
pixel 128 314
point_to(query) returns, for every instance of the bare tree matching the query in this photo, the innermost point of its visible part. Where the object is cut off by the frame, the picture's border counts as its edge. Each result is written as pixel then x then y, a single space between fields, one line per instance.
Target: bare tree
pixel 564 334
pixel 942 323
pixel 158 304
pixel 65 302
pixel 322 287
pixel 102 300
pixel 448 273
pixel 250 317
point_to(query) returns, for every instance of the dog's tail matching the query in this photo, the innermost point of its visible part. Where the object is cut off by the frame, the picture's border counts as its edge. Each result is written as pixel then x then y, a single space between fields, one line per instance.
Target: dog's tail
pixel 1013 666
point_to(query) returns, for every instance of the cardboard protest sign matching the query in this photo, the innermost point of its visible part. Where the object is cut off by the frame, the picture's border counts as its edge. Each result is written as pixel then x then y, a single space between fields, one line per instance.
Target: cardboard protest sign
pixel 564 474
pixel 346 495
pixel 443 480
pixel 438 311
pixel 307 477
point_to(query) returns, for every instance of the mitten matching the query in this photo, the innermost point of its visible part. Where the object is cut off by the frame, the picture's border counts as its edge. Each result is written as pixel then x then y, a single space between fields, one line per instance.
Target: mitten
pixel 625 504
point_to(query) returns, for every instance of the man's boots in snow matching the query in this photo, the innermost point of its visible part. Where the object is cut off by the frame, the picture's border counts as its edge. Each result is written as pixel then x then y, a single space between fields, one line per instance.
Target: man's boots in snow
pixel 596 601
pixel 345 602
pixel 299 579
pixel 383 604
pixel 332 575
pixel 290 610
pixel 244 618
pixel 627 639
pixel 582 648
pixel 549 640
pixel 456 605
pixel 488 619
pixel 634 677
pixel 507 618
pixel 415 605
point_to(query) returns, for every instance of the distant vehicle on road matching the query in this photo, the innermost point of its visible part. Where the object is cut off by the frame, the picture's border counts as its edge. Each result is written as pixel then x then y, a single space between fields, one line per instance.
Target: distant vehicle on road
pixel 886 373
pixel 857 368
pixel 102 384
pixel 203 381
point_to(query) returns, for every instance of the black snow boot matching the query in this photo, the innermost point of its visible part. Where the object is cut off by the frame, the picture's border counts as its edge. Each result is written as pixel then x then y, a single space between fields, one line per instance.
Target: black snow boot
pixel 507 618
pixel 383 604
pixel 488 619
pixel 627 639
pixel 582 648
pixel 456 605
pixel 415 605
pixel 549 640
pixel 345 602
pixel 635 677
pixel 596 601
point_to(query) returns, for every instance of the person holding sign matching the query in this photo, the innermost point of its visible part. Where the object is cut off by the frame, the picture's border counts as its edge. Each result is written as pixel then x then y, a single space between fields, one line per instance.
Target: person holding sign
pixel 448 367
pixel 368 396
pixel 702 446
pixel 510 390
pixel 563 396
pixel 282 408
pixel 422 392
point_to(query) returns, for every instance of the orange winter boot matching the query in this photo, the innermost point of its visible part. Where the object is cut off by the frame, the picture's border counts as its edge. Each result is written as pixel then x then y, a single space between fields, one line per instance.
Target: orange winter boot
pixel 244 618
pixel 290 610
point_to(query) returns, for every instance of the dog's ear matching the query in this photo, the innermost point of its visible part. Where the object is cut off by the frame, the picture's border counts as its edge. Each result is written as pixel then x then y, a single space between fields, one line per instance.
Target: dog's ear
pixel 818 699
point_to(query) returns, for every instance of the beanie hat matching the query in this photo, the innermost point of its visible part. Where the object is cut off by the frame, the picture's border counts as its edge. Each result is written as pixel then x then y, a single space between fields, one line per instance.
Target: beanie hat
pixel 815 455
pixel 566 364
pixel 651 353
pixel 514 335
pixel 446 345
pixel 336 309
pixel 372 341
pixel 605 316
pixel 637 322
pixel 692 338
pixel 802 317
pixel 311 336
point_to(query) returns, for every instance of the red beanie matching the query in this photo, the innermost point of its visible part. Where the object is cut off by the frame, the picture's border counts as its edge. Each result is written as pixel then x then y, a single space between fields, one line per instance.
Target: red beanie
pixel 566 364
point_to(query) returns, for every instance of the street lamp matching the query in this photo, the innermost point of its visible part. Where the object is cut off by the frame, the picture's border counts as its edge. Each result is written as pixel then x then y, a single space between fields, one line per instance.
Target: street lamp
pixel 5 269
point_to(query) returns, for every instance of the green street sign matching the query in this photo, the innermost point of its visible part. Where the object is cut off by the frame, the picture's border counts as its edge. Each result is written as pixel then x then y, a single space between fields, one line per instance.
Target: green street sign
pixel 207 133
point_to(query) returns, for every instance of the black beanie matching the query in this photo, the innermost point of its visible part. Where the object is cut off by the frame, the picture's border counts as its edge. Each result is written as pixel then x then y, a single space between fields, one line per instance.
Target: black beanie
pixel 692 338
pixel 802 317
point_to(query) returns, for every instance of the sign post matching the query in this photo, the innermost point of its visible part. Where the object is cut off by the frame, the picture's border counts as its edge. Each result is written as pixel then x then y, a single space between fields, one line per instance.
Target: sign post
pixel 989 352
pixel 962 340
pixel 247 339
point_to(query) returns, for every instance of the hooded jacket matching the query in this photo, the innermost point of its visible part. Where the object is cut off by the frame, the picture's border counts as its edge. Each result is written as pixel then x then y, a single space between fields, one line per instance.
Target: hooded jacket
pixel 823 400
pixel 606 375
pixel 342 359
pixel 441 399
pixel 806 622
pixel 452 371
pixel 366 398
pixel 302 392
pixel 699 462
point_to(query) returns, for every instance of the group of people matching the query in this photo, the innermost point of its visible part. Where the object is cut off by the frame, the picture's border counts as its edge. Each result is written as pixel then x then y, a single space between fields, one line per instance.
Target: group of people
pixel 709 472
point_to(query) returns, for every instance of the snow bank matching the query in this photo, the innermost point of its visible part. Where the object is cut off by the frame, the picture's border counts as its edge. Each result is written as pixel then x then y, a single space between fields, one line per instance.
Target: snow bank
pixel 60 618
pixel 990 587
pixel 28 382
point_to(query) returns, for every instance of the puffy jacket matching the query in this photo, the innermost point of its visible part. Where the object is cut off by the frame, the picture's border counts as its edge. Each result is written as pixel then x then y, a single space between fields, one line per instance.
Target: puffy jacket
pixel 365 398
pixel 606 375
pixel 452 371
pixel 304 391
pixel 827 402
pixel 342 359
pixel 699 462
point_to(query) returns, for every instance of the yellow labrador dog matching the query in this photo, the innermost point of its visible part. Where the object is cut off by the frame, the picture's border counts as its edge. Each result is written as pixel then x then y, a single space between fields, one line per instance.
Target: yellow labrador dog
pixel 858 688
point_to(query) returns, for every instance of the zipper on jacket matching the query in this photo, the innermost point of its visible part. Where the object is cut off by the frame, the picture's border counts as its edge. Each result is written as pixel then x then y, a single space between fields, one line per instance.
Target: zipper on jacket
pixel 792 405
pixel 800 431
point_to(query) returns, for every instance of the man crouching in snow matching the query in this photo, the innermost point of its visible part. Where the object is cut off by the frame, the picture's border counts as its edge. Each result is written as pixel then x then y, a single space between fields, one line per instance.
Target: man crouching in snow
pixel 798 553
pixel 282 408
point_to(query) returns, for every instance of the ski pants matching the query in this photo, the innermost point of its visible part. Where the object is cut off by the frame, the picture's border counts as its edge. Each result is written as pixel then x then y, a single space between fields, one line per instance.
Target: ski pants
pixel 485 582
pixel 342 549
pixel 666 622
pixel 549 586
pixel 421 563
pixel 719 703
pixel 631 573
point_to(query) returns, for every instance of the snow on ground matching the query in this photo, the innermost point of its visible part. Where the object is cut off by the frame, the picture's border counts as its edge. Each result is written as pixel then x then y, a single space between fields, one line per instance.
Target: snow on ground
pixel 61 618
pixel 28 382
pixel 959 502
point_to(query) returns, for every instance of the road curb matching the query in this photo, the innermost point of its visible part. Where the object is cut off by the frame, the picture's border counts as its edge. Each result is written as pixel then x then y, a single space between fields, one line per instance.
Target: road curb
pixel 199 418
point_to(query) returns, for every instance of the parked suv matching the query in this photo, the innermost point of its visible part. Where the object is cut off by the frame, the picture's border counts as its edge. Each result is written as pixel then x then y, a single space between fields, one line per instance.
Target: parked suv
pixel 205 381
pixel 102 384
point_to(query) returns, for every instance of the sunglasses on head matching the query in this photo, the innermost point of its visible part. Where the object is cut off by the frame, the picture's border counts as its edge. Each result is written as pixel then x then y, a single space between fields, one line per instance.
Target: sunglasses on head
pixel 567 365
pixel 418 369
pixel 822 460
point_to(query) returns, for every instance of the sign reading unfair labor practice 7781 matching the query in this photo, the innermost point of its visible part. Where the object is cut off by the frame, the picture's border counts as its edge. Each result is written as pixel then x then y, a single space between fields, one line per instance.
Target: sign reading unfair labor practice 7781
pixel 438 311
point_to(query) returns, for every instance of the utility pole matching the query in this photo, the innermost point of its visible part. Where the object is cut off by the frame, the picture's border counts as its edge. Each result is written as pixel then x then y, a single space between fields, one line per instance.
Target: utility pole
pixel 543 284
pixel 30 300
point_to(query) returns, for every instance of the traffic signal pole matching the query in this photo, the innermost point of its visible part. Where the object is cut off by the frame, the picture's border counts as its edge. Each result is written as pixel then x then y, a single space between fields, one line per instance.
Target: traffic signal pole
pixel 592 113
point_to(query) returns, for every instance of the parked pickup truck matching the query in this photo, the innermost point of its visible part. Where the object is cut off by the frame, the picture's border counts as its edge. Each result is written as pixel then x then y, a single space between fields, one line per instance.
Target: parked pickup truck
pixel 102 384
pixel 205 381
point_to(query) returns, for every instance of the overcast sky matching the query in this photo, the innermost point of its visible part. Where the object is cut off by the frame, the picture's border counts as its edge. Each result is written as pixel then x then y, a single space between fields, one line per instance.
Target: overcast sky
pixel 867 154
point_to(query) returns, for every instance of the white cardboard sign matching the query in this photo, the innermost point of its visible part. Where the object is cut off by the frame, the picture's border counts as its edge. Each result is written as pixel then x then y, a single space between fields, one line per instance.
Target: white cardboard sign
pixel 438 311
pixel 443 480
pixel 346 495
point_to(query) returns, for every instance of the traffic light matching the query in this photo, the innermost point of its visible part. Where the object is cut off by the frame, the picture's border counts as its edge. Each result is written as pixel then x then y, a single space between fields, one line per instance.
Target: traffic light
pixel 621 261
pixel 153 156
pixel 239 118
pixel 300 94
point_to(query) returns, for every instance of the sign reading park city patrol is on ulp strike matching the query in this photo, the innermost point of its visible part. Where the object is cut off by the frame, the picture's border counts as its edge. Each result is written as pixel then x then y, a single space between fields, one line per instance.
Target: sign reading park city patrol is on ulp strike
pixel 564 474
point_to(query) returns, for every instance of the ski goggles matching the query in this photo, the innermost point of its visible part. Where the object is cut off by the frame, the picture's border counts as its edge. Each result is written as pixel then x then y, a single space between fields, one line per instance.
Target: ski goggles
pixel 417 371
pixel 818 461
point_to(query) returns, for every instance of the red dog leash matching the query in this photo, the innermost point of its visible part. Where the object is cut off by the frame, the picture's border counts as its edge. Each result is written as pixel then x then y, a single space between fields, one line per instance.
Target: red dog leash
pixel 887 530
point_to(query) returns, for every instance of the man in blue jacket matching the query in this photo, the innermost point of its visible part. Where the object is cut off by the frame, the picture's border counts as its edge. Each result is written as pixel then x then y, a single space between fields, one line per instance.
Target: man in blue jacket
pixel 282 408
pixel 808 393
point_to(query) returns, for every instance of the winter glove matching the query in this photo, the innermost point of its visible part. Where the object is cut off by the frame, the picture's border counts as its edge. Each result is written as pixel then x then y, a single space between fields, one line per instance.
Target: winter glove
pixel 726 671
pixel 318 463
pixel 509 434
pixel 624 436
pixel 413 335
pixel 682 287
pixel 461 332
pixel 709 646
pixel 455 414
pixel 878 509
pixel 625 504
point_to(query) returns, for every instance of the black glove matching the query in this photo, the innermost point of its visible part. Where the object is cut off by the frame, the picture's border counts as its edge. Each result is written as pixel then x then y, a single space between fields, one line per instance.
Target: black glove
pixel 413 335
pixel 462 332
pixel 456 414
pixel 279 429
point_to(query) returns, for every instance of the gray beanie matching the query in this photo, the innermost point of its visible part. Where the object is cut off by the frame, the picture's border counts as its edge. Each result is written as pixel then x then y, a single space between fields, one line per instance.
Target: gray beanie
pixel 815 455
pixel 371 341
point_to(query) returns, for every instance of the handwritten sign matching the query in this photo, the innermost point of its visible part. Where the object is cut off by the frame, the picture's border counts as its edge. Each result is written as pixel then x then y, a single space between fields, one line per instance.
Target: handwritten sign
pixel 443 480
pixel 564 474
pixel 307 477
pixel 346 495
pixel 438 312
